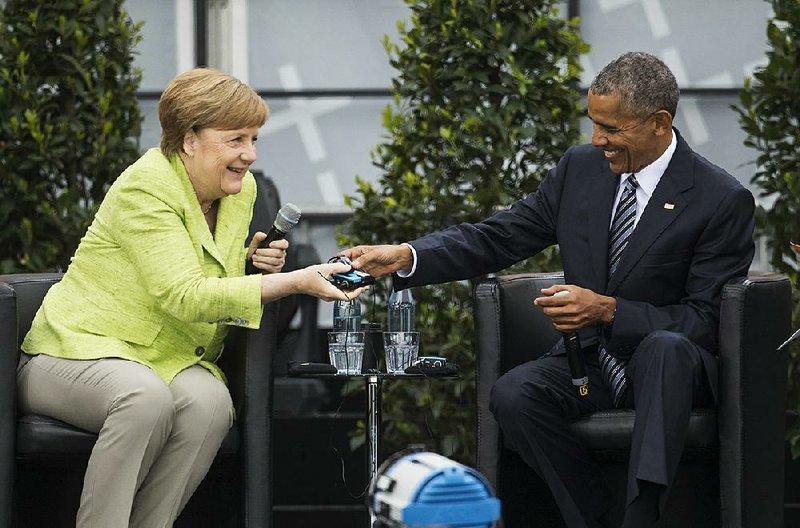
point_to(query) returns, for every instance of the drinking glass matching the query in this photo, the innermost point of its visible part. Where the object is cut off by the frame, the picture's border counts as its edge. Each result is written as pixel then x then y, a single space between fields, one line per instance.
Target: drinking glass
pixel 401 350
pixel 346 351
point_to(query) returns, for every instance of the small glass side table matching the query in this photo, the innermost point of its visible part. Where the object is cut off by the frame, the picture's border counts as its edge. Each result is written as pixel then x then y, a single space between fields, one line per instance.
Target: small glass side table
pixel 372 382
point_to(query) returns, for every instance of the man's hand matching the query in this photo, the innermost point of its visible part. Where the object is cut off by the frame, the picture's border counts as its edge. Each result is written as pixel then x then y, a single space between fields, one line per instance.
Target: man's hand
pixel 576 308
pixel 380 260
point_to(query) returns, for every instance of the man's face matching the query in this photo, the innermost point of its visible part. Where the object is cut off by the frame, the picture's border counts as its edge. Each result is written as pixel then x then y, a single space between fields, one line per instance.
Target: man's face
pixel 629 143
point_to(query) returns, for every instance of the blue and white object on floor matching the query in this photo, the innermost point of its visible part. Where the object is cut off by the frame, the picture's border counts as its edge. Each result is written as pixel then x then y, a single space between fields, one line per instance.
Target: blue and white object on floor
pixel 423 489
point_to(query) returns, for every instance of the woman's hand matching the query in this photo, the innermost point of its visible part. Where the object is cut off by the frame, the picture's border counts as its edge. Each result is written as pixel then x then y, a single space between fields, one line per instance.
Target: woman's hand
pixel 312 280
pixel 270 259
pixel 315 282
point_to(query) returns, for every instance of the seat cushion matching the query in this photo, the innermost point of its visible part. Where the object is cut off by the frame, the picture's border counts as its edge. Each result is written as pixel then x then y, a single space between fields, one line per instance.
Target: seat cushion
pixel 611 430
pixel 44 437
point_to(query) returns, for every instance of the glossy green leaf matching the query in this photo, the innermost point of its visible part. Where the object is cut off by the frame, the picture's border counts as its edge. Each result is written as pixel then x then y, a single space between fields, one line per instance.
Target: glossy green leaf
pixel 769 113
pixel 55 92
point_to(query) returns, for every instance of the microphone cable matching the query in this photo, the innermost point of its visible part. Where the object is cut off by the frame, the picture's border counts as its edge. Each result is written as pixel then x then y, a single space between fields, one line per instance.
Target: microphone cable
pixel 345 394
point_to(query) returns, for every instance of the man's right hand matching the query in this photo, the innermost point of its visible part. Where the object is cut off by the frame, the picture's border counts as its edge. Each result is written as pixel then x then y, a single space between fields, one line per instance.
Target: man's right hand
pixel 380 260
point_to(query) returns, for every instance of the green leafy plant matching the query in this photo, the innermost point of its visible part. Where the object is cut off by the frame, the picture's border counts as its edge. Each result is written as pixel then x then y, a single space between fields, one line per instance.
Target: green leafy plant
pixel 69 122
pixel 485 103
pixel 770 115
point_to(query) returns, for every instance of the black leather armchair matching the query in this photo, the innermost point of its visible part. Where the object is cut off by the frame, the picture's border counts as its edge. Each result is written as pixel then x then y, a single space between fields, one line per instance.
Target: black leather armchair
pixel 731 474
pixel 247 361
pixel 242 471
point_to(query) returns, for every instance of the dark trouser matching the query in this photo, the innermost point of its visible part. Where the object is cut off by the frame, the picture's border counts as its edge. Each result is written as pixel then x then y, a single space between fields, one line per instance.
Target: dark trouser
pixel 535 402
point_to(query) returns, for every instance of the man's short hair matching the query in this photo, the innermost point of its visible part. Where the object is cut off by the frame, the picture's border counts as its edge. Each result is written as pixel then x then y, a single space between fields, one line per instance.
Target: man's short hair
pixel 644 83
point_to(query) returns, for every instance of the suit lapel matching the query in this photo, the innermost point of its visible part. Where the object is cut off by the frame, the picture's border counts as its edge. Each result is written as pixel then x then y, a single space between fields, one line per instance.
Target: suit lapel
pixel 666 204
pixel 601 200
pixel 195 220
pixel 232 220
pixel 207 241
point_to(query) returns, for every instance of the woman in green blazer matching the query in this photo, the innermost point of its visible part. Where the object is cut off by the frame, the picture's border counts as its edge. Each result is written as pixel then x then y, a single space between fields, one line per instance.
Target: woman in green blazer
pixel 125 345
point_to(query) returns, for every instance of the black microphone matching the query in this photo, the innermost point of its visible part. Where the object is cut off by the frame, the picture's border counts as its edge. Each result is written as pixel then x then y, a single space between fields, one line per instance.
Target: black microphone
pixel 572 342
pixel 287 218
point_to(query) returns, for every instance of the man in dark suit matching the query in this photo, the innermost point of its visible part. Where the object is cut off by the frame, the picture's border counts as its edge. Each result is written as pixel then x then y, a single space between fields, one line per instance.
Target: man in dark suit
pixel 649 231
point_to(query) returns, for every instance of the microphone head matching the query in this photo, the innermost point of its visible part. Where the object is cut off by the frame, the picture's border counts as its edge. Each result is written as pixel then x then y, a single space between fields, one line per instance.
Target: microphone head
pixel 287 217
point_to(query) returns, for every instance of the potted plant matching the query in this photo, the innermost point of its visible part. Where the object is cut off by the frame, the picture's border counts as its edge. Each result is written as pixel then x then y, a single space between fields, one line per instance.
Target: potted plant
pixel 485 102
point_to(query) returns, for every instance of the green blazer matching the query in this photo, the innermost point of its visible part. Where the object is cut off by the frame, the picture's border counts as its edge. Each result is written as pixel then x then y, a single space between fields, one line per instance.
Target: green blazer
pixel 148 282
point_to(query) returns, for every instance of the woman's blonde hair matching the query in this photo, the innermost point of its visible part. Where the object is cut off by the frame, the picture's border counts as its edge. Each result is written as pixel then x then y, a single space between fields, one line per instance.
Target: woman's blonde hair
pixel 204 98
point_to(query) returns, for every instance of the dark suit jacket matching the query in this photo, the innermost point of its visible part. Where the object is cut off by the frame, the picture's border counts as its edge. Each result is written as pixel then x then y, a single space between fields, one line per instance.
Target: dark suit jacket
pixel 695 234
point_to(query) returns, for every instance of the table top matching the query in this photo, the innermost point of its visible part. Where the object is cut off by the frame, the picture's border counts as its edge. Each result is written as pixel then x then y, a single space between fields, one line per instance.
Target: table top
pixel 372 373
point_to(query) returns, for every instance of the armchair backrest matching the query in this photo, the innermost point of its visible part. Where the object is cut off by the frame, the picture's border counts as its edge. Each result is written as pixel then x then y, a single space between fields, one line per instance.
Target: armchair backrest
pixel 525 333
pixel 755 317
pixel 299 255
pixel 29 291
pixel 507 333
pixel 20 297
pixel 265 209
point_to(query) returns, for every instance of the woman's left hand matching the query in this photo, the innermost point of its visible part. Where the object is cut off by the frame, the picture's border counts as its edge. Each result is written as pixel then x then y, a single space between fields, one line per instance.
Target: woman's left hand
pixel 270 259
pixel 314 280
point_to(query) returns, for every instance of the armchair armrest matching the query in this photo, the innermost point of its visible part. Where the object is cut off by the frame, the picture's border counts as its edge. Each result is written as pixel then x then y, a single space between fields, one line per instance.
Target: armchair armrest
pixel 8 385
pixel 248 364
pixel 755 317
pixel 509 331
pixel 20 296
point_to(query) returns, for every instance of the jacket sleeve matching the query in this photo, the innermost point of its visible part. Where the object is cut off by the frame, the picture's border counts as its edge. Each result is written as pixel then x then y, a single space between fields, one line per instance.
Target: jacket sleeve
pixel 467 250
pixel 151 226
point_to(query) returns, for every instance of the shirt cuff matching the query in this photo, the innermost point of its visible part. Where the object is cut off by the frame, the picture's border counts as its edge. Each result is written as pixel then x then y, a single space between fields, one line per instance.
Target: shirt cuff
pixel 407 273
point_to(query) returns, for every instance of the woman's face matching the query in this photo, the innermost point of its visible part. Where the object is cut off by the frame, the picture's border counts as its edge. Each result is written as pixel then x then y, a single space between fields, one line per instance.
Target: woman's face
pixel 217 160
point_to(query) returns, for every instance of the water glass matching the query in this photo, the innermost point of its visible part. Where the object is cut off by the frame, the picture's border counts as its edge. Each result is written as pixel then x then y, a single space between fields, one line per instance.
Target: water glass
pixel 401 350
pixel 346 350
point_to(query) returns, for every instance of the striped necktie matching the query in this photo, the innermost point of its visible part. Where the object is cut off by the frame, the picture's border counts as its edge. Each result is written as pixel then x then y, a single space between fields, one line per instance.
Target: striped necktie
pixel 613 369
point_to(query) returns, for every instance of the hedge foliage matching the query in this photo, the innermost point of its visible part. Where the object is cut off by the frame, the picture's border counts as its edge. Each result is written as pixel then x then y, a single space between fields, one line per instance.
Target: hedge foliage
pixel 486 101
pixel 69 123
pixel 769 113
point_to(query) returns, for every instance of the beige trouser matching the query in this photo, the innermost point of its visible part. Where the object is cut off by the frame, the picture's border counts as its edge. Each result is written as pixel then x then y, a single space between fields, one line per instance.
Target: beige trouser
pixel 155 441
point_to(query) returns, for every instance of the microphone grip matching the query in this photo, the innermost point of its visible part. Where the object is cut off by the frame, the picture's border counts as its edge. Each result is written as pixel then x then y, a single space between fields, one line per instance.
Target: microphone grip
pixel 273 234
pixel 577 369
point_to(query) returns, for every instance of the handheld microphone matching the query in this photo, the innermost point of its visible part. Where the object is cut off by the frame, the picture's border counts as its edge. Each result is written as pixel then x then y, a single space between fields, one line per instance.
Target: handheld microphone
pixel 572 342
pixel 287 218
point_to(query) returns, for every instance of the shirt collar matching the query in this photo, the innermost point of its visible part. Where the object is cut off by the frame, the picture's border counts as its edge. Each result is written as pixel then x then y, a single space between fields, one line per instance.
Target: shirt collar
pixel 650 175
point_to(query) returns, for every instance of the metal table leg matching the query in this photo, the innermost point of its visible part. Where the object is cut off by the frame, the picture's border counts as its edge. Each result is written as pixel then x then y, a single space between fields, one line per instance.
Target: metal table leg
pixel 373 433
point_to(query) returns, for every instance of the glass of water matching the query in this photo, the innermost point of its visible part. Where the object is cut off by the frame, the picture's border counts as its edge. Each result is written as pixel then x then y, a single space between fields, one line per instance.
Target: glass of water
pixel 346 350
pixel 401 350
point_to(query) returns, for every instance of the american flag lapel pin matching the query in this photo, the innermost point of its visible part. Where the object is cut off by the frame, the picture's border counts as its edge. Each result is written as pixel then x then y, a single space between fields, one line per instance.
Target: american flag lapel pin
pixel 669 206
